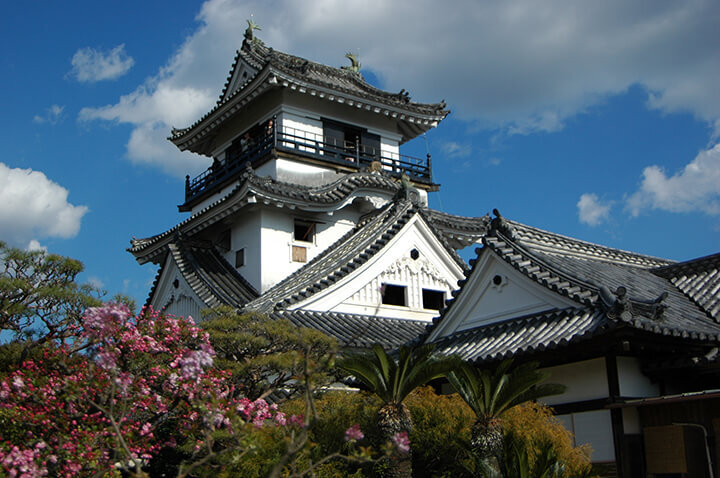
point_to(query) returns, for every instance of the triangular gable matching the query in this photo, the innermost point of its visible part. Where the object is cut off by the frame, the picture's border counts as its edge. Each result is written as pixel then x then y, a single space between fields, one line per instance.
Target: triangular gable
pixel 195 277
pixel 240 74
pixel 414 259
pixel 173 294
pixel 495 292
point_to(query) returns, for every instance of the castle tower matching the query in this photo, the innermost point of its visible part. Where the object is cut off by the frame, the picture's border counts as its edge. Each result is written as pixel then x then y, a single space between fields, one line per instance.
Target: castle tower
pixel 306 173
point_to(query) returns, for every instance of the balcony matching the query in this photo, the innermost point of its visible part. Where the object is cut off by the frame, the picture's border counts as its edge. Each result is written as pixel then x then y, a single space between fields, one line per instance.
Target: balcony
pixel 346 154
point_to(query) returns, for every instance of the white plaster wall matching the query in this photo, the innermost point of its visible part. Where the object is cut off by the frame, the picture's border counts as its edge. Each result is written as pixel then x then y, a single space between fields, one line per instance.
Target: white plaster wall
pixel 295 172
pixel 245 234
pixel 632 381
pixel 277 239
pixel 389 144
pixel 276 228
pixel 302 124
pixel 586 380
pixel 593 428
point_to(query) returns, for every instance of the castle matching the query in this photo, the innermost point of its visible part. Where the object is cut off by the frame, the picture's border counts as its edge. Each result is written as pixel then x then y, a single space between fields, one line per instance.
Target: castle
pixel 309 212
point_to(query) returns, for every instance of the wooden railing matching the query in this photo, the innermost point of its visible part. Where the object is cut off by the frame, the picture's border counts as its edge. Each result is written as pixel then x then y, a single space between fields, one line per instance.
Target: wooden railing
pixel 302 143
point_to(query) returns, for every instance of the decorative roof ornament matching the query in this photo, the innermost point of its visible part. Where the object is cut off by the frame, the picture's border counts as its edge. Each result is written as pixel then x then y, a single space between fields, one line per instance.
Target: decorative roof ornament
pixel 499 224
pixel 617 303
pixel 249 37
pixel 355 64
pixel 408 191
pixel 620 306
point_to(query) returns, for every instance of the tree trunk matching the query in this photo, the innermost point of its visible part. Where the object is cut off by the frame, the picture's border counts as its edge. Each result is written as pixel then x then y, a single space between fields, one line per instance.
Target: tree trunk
pixel 392 419
pixel 486 441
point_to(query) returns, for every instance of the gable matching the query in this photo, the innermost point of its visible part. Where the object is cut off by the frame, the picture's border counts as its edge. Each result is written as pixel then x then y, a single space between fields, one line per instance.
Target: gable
pixel 240 75
pixel 174 295
pixel 496 292
pixel 430 267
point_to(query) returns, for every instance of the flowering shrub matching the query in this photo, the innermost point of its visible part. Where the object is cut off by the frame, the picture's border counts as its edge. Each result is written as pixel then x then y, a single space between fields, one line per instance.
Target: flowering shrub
pixel 143 384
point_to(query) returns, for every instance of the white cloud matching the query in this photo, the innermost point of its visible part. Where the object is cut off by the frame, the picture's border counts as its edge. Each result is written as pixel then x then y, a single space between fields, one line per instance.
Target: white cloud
pixel 592 211
pixel 456 150
pixel 695 188
pixel 95 282
pixel 34 245
pixel 519 67
pixel 52 115
pixel 90 65
pixel 33 206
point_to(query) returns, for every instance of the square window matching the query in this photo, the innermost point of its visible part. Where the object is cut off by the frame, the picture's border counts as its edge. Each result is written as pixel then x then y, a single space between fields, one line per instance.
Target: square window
pixel 240 257
pixel 299 254
pixel 393 294
pixel 433 299
pixel 304 231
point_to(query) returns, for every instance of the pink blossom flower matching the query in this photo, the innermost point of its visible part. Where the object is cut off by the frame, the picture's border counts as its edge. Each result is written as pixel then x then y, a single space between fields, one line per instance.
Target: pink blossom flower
pixel 354 433
pixel 402 441
pixel 18 383
pixel 4 390
pixel 191 366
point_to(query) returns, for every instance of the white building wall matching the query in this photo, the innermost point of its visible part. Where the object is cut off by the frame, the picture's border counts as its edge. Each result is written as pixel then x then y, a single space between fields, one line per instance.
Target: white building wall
pixel 245 234
pixel 586 380
pixel 632 381
pixel 277 239
pixel 593 428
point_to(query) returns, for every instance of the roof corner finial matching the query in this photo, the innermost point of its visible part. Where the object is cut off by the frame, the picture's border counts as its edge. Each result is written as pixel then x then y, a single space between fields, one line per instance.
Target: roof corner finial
pixel 355 64
pixel 499 224
pixel 408 191
pixel 249 37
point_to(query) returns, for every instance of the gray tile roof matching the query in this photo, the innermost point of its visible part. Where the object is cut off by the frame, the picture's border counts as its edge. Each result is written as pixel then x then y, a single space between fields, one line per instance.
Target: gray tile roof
pixel 260 56
pixel 210 276
pixel 646 298
pixel 536 333
pixel 352 330
pixel 553 243
pixel 265 188
pixel 278 69
pixel 699 279
pixel 459 231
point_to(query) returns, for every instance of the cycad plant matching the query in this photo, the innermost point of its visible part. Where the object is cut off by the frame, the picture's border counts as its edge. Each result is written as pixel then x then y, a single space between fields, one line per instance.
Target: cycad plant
pixel 490 393
pixel 393 379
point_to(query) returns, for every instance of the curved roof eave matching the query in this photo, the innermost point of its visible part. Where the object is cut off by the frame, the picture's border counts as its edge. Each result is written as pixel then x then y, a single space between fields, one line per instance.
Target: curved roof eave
pixel 414 118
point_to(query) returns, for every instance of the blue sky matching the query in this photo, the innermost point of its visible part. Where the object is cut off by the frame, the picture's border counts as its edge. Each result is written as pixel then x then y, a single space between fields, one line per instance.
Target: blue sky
pixel 598 120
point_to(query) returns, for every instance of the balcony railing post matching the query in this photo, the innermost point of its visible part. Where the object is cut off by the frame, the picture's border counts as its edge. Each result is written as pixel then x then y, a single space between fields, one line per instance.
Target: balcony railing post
pixel 274 131
pixel 187 187
pixel 357 150
pixel 429 167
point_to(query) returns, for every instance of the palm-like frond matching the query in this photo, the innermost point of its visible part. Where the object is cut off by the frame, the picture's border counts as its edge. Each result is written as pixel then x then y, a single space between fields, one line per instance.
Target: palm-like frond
pixel 490 393
pixel 393 379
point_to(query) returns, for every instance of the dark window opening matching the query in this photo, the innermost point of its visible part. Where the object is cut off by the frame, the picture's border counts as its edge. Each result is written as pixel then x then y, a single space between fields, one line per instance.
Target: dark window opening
pixel 344 138
pixel 393 294
pixel 304 231
pixel 240 257
pixel 433 299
